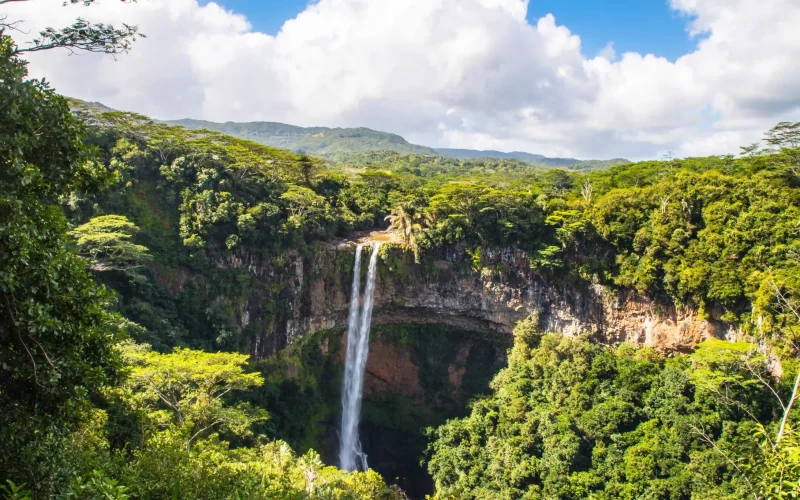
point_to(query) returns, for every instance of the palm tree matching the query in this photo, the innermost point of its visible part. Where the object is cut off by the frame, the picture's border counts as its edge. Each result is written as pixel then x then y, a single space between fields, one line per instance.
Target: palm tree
pixel 400 221
pixel 407 221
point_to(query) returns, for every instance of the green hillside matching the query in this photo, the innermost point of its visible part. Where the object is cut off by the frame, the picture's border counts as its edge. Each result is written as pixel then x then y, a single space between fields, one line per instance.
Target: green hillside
pixel 321 141
pixel 345 144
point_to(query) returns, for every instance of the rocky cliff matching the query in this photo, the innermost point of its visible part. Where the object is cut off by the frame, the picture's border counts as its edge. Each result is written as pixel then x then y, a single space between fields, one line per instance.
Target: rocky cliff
pixel 445 289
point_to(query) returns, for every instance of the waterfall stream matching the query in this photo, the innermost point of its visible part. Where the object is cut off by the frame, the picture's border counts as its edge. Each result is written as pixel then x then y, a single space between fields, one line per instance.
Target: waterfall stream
pixel 351 457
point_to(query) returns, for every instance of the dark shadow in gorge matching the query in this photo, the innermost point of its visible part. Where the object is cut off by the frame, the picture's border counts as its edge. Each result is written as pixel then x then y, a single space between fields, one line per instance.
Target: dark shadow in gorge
pixel 417 376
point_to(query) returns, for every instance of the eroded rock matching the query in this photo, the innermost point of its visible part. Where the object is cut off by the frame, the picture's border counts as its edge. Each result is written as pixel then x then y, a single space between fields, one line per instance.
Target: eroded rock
pixel 448 291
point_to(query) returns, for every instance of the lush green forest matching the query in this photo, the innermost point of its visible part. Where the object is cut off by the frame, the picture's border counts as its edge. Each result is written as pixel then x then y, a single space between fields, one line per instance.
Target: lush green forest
pixel 85 412
pixel 127 245
pixel 570 419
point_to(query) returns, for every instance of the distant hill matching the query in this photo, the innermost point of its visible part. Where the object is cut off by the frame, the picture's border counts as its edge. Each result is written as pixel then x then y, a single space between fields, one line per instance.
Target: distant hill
pixel 321 141
pixel 468 154
pixel 533 159
pixel 337 144
pixel 97 107
pixel 592 165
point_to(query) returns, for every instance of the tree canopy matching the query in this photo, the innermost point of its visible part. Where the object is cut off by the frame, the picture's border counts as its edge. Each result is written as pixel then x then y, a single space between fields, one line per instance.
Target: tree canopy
pixel 218 227
pixel 106 241
pixel 570 419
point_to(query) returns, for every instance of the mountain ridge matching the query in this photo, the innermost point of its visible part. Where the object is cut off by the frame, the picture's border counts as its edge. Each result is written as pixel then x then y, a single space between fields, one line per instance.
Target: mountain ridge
pixel 331 141
pixel 464 154
pixel 343 141
pixel 323 141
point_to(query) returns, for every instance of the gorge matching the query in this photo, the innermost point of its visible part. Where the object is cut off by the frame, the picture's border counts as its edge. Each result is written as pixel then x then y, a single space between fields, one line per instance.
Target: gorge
pixel 191 315
pixel 440 304
pixel 244 262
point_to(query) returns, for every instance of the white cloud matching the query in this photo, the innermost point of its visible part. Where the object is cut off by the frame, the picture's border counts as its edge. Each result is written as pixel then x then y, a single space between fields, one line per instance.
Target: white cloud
pixel 608 52
pixel 460 73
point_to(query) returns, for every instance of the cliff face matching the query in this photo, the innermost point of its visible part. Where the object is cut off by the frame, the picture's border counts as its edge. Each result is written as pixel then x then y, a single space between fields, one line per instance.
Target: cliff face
pixel 447 291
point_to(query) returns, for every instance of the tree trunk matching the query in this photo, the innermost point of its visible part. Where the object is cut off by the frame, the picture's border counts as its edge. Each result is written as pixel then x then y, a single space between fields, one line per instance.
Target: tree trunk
pixel 788 409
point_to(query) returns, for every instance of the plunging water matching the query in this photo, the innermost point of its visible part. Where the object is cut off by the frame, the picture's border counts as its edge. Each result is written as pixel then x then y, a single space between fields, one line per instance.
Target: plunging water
pixel 351 457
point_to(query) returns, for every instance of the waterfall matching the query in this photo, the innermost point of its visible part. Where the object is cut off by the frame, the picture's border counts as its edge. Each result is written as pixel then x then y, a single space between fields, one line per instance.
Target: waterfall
pixel 351 457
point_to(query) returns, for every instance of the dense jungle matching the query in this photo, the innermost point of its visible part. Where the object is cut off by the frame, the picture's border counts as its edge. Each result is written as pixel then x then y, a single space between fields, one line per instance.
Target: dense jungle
pixel 173 309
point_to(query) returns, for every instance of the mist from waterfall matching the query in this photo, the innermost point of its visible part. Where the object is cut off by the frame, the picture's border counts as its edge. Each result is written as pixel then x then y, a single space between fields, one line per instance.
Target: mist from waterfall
pixel 351 457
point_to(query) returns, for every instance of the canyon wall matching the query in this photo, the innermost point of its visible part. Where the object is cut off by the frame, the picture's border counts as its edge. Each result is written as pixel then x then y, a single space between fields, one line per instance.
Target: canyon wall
pixel 445 289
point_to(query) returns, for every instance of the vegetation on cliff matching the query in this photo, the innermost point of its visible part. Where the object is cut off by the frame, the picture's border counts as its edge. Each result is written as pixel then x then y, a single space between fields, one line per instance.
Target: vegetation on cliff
pixel 714 234
pixel 570 419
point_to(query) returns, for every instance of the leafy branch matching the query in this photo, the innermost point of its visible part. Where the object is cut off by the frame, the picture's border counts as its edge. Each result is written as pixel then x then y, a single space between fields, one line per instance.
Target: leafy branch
pixel 81 36
pixel 86 37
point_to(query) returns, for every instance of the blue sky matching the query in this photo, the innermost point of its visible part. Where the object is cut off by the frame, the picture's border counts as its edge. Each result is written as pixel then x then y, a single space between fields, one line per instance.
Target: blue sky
pixel 454 77
pixel 644 26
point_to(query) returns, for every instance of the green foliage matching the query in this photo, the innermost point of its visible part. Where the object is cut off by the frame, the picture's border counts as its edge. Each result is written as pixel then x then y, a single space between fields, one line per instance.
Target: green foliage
pixel 170 417
pixel 98 485
pixel 306 208
pixel 56 334
pixel 270 471
pixel 480 214
pixel 12 491
pixel 711 234
pixel 775 471
pixel 106 242
pixel 527 335
pixel 183 399
pixel 84 36
pixel 187 388
pixel 81 36
pixel 568 419
pixel 704 239
pixel 198 198
pixel 717 364
pixel 533 159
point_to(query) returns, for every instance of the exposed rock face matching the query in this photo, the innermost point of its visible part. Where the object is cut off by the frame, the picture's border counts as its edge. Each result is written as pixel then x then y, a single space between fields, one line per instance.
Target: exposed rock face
pixel 390 370
pixel 448 291
pixel 458 368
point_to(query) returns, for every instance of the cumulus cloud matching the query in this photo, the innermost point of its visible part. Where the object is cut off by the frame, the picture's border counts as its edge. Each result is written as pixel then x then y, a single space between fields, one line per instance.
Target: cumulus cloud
pixel 608 52
pixel 457 73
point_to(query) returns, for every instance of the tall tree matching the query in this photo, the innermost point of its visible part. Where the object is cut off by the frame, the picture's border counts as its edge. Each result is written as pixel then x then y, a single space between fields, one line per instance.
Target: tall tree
pixel 785 137
pixel 408 221
pixel 56 334
pixel 106 242
pixel 187 388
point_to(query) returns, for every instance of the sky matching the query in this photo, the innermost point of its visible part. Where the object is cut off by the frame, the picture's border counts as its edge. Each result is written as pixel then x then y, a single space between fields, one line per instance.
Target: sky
pixel 577 78
pixel 645 26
